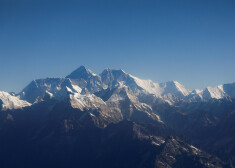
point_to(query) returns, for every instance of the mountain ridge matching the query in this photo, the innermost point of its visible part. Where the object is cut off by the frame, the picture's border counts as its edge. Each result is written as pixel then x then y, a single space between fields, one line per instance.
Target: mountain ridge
pixel 120 115
pixel 82 77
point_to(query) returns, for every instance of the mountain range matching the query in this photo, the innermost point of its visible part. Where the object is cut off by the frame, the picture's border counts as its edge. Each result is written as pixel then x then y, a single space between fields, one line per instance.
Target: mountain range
pixel 115 119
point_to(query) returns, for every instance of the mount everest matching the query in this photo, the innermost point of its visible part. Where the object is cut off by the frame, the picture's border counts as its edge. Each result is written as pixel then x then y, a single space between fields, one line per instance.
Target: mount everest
pixel 161 124
pixel 84 80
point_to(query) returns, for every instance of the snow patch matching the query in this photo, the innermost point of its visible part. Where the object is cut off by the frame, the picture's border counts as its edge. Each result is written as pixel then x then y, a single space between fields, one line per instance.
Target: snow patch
pixel 12 102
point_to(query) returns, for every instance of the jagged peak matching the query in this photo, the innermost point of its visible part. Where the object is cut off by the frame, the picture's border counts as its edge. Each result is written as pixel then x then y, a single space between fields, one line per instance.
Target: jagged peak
pixel 174 86
pixel 214 92
pixel 209 88
pixel 46 96
pixel 196 91
pixel 83 68
pixel 8 101
pixel 108 70
pixel 174 82
pixel 108 76
pixel 81 73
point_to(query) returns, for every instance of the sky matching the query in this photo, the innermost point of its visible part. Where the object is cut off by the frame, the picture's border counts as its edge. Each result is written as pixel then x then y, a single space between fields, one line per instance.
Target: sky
pixel 192 42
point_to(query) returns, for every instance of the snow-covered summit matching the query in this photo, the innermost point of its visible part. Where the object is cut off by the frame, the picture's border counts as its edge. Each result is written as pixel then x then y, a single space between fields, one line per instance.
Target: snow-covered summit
pixel 161 89
pixel 217 92
pixel 148 86
pixel 171 90
pixel 174 88
pixel 11 102
pixel 85 82
pixel 39 87
pixel 214 92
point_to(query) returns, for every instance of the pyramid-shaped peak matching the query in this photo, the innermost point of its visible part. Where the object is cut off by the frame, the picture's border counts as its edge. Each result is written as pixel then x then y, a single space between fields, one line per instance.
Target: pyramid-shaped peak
pixel 175 88
pixel 82 68
pixel 81 73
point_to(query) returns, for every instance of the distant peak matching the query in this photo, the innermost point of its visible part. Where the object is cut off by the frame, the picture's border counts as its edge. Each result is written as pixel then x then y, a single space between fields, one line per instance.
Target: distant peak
pixel 83 68
pixel 81 73
pixel 172 82
pixel 106 70
pixel 114 70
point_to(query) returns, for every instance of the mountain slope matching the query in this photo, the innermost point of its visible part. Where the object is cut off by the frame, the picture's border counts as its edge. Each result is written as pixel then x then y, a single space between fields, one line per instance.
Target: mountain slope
pixel 51 85
pixel 115 119
pixel 8 101
pixel 82 77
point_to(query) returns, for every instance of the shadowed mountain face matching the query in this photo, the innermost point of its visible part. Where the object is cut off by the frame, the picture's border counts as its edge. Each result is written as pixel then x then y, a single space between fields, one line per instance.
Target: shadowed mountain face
pixel 81 73
pixel 116 120
pixel 64 141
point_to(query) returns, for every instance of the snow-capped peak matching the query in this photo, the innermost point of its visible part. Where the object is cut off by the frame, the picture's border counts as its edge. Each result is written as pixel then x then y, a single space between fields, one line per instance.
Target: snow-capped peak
pixel 12 102
pixel 55 86
pixel 174 88
pixel 171 87
pixel 148 86
pixel 214 92
pixel 85 82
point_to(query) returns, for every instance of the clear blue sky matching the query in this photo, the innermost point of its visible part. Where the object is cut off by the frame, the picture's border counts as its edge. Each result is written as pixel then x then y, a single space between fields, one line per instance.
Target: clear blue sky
pixel 191 41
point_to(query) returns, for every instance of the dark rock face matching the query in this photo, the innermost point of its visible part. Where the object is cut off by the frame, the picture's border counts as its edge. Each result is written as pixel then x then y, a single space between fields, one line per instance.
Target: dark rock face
pixel 1 103
pixel 209 125
pixel 46 140
pixel 230 89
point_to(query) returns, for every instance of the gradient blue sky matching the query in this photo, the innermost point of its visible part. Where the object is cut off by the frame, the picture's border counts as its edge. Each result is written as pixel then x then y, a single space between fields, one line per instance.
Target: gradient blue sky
pixel 191 41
